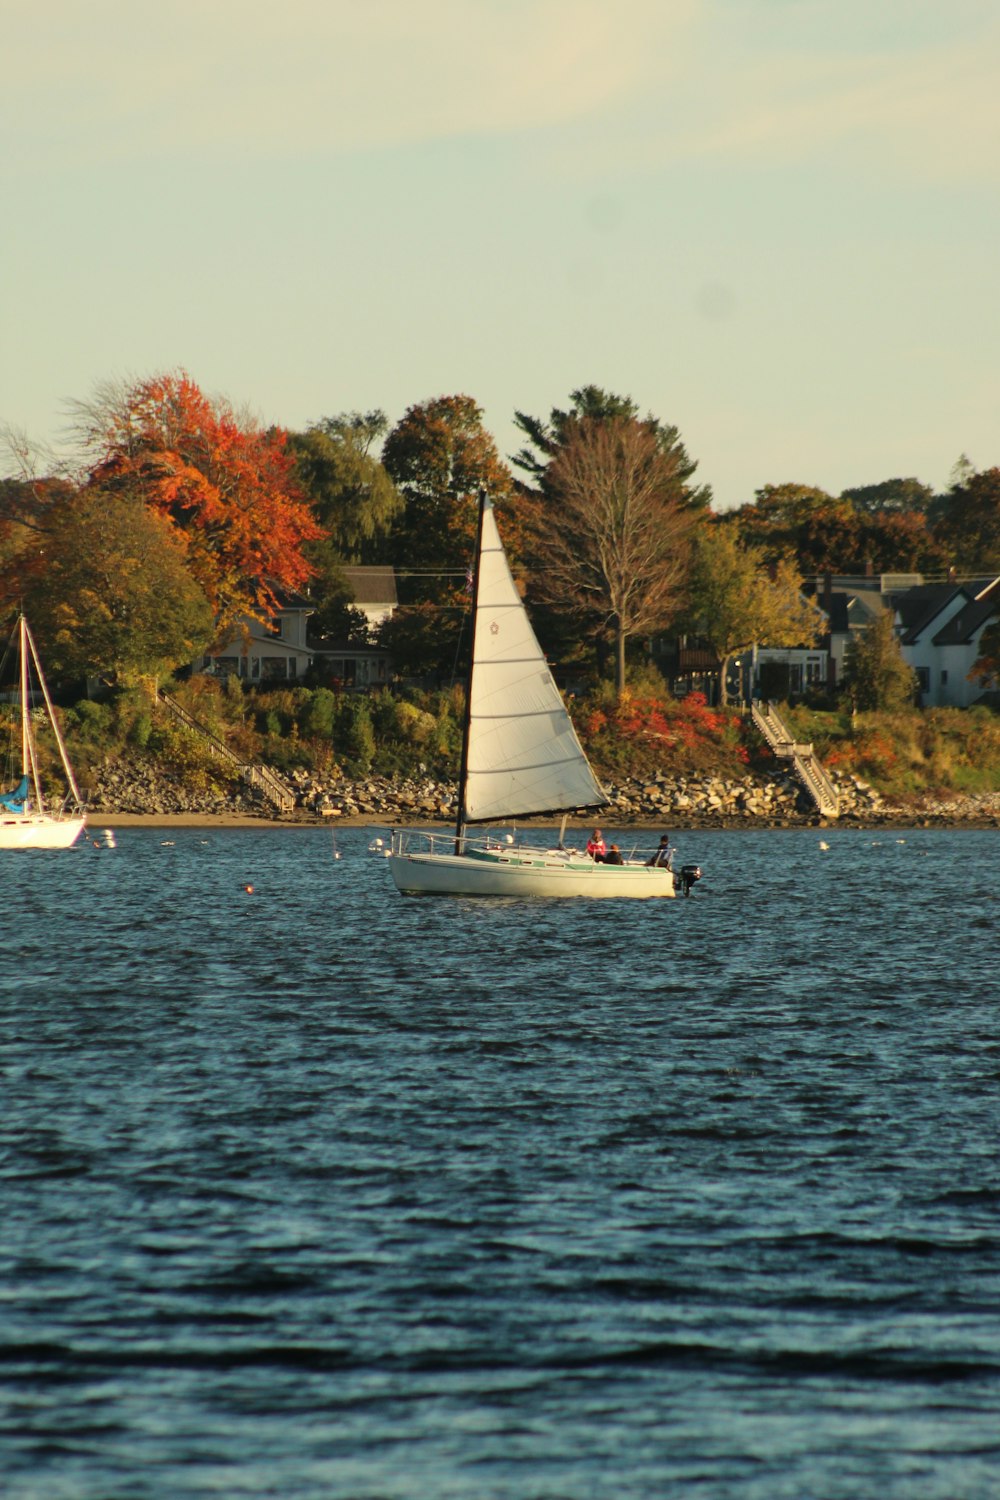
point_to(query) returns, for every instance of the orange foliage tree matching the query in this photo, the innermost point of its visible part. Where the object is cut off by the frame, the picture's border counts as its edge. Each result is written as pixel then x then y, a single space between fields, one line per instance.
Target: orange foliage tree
pixel 224 483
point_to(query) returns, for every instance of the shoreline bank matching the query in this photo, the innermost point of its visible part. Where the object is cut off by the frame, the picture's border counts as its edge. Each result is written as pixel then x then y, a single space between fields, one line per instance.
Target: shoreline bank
pixel 902 818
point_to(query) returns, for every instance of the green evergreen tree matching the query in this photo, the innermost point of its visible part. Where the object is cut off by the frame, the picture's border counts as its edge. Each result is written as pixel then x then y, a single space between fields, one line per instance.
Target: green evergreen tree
pixel 354 736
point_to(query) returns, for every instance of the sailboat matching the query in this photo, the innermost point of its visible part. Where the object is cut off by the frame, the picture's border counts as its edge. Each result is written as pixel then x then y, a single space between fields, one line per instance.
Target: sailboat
pixel 520 758
pixel 26 822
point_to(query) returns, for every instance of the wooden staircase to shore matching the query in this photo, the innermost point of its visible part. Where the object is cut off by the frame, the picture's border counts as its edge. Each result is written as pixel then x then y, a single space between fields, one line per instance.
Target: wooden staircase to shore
pixel 261 778
pixel 806 762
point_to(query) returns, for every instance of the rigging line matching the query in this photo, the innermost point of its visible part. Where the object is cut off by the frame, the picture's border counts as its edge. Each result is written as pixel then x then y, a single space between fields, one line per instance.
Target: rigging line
pixel 466 612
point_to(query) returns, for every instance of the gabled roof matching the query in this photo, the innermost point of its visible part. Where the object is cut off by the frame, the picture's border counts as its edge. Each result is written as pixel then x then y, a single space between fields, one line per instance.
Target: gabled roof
pixel 371 585
pixel 963 626
pixel 291 599
pixel 861 607
pixel 848 606
pixel 918 607
pixel 852 603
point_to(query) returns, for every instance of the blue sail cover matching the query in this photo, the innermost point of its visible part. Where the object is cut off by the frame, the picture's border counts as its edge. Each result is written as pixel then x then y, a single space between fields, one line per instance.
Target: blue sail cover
pixel 14 801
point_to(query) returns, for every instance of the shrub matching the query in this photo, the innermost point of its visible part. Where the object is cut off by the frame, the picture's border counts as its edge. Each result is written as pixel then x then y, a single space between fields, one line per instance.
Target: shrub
pixel 353 734
pixel 641 734
pixel 316 716
pixel 91 723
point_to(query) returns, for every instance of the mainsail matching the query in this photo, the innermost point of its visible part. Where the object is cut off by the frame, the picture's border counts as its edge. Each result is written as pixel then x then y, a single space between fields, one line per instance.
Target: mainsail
pixel 523 754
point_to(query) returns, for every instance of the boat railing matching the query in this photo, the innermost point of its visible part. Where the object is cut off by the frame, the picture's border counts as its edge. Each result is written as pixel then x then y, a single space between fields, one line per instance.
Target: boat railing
pixel 495 843
pixel 442 841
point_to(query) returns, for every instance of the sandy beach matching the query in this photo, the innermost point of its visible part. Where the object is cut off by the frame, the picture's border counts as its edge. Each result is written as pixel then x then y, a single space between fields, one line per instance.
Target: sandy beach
pixel 212 820
pixel 931 816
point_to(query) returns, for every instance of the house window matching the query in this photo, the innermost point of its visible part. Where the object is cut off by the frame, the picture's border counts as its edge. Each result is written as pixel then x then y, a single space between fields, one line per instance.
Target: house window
pixel 924 679
pixel 944 676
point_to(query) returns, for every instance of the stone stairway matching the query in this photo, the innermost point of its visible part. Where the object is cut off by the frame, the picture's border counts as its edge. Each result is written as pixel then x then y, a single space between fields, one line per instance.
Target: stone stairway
pixel 261 778
pixel 808 766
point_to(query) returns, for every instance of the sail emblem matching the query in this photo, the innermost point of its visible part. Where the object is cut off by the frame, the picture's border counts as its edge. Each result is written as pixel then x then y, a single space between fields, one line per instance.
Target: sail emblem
pixel 494 628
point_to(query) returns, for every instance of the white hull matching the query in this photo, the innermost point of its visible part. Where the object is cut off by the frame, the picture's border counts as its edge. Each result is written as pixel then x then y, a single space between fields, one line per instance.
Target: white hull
pixel 24 823
pixel 525 873
pixel 38 831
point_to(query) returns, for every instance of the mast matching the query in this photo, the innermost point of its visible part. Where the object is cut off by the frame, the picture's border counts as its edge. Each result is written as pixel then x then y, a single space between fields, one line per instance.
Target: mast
pixel 22 625
pixel 64 757
pixel 463 774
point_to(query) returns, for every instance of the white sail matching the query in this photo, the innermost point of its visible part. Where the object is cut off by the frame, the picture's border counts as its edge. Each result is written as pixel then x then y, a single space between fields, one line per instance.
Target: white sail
pixel 523 753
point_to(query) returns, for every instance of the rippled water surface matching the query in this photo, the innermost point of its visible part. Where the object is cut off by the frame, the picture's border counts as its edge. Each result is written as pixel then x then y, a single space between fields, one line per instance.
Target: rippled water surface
pixel 318 1191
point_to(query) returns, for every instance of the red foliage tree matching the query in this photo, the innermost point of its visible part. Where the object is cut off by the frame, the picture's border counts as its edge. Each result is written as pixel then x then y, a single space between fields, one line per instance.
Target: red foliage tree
pixel 225 484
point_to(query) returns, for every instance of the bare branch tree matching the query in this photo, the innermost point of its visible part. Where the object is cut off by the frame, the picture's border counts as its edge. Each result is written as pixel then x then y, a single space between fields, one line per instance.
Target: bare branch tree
pixel 613 540
pixel 27 459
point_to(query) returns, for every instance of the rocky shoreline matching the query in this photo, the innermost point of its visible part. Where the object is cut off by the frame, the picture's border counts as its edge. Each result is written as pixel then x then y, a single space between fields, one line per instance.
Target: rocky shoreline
pixel 140 788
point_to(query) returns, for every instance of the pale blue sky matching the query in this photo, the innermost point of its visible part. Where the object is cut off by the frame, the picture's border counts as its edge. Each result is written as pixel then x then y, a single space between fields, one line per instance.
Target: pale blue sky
pixel 773 223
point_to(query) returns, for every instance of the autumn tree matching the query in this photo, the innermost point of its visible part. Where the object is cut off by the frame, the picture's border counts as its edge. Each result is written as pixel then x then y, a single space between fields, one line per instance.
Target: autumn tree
pixel 739 600
pixel 225 484
pixel 969 525
pixel 800 521
pixel 569 629
pixel 26 504
pixel 108 590
pixel 882 528
pixel 875 674
pixel 545 438
pixel 612 543
pixel 440 456
pixel 986 667
pixel 890 497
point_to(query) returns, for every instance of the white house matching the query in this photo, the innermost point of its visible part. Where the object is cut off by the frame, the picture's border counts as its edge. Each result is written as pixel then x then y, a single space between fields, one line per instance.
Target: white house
pixel 373 590
pixel 347 663
pixel 273 650
pixel 941 639
pixel 939 626
pixel 278 649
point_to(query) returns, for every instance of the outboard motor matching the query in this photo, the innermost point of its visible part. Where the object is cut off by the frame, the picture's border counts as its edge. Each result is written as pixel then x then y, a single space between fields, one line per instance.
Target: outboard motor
pixel 689 876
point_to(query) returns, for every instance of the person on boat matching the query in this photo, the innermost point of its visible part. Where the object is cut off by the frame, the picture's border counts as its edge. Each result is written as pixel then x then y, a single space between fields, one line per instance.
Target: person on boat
pixel 663 855
pixel 596 846
pixel 613 856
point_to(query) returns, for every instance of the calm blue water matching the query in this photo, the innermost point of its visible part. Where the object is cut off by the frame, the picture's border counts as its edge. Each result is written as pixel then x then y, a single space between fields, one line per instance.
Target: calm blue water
pixel 320 1191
